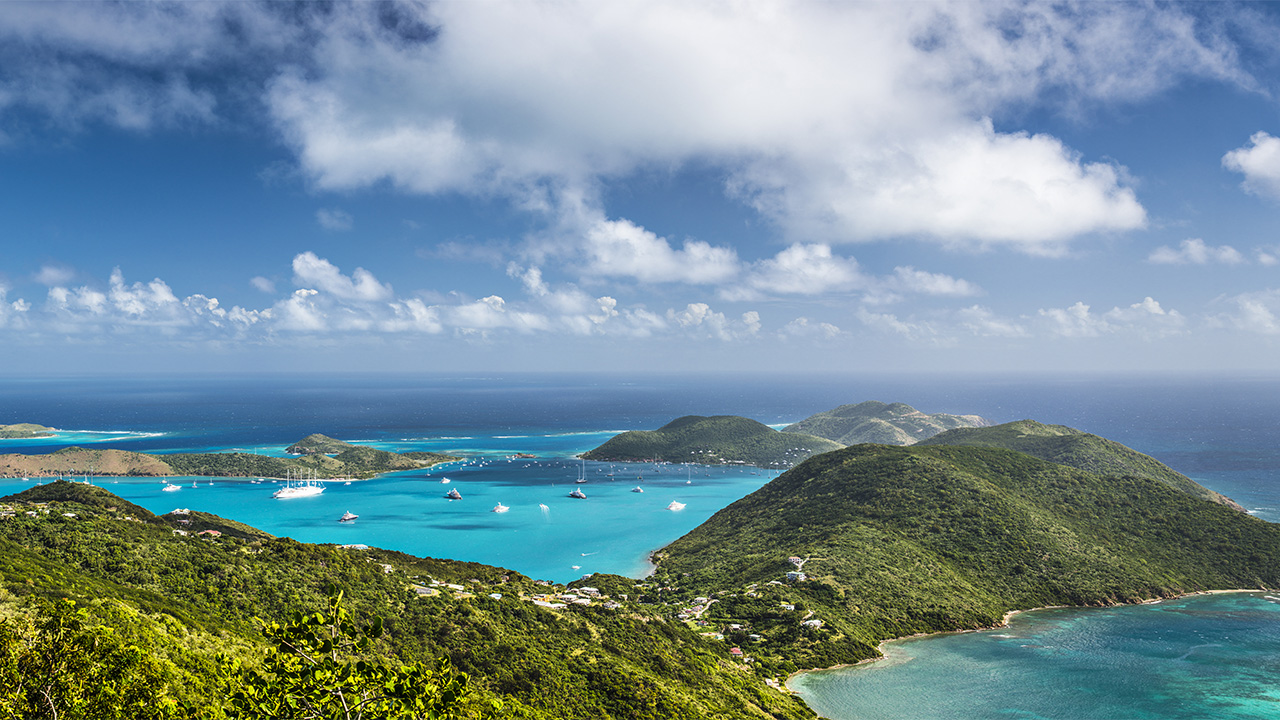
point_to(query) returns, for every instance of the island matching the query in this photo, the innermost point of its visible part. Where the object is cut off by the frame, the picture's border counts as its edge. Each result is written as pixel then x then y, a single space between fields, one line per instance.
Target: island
pixel 851 547
pixel 883 423
pixel 716 440
pixel 348 461
pixel 25 431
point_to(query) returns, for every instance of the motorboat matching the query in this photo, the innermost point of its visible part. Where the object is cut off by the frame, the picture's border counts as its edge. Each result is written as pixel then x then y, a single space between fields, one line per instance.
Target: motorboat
pixel 170 487
pixel 453 494
pixel 578 494
pixel 500 508
pixel 348 516
pixel 675 505
pixel 637 489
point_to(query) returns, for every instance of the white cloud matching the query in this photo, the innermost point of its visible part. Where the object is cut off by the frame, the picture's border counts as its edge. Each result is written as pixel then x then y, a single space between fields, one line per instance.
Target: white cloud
pixel 835 120
pixel 1194 251
pixel 54 275
pixel 263 284
pixel 700 319
pixel 311 270
pixel 983 322
pixel 909 279
pixel 1259 162
pixel 890 324
pixel 334 219
pixel 620 248
pixel 300 313
pixel 802 327
pixel 1146 318
pixel 798 270
pixel 1253 312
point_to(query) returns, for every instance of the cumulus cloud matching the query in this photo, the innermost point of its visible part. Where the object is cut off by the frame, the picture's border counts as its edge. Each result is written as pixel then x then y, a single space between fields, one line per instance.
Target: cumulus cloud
pixel 312 270
pixel 802 327
pixel 1146 318
pixel 1194 251
pixel 1259 162
pixel 1253 312
pixel 700 319
pixel 263 284
pixel 620 248
pixel 798 270
pixel 834 120
pixel 334 219
pixel 513 98
pixel 910 279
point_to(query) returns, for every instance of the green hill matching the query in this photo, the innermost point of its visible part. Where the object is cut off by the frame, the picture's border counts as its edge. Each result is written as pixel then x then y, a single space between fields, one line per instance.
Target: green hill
pixel 349 461
pixel 882 423
pixel 930 538
pixel 185 599
pixel 1074 448
pixel 317 443
pixel 22 431
pixel 711 441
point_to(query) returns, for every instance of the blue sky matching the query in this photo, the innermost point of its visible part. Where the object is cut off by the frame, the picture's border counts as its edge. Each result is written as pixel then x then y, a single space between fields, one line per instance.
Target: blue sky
pixel 454 186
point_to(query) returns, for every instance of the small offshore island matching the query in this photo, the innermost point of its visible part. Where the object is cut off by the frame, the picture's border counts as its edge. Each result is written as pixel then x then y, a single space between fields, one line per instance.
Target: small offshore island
pixel 25 431
pixel 851 547
pixel 320 456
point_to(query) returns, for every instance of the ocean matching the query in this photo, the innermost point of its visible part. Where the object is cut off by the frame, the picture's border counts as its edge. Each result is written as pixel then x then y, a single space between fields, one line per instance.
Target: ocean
pixel 1222 432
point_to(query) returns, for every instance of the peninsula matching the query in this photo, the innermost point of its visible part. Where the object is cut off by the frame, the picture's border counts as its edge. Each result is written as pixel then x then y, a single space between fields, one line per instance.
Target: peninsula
pixel 716 440
pixel 883 423
pixel 348 461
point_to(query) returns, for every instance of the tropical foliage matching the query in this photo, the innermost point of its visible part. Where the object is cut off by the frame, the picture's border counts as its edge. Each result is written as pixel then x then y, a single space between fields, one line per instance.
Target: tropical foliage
pixel 712 441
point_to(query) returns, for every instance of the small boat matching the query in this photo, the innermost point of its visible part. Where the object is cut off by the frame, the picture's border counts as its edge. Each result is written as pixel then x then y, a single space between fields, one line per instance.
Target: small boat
pixel 170 487
pixel 444 481
pixel 688 482
pixel 500 508
pixel 348 516
pixel 675 505
pixel 578 494
pixel 637 489
pixel 193 483
pixel 453 494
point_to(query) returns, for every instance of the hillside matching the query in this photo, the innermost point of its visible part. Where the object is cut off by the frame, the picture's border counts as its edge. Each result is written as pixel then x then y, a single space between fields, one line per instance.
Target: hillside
pixel 713 440
pixel 1074 448
pixel 897 541
pixel 350 461
pixel 881 423
pixel 317 443
pixel 24 431
pixel 185 599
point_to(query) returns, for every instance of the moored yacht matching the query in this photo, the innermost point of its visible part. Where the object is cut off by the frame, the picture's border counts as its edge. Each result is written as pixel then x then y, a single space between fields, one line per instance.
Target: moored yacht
pixel 675 505
pixel 348 516
pixel 578 494
pixel 500 508
pixel 637 489
pixel 453 494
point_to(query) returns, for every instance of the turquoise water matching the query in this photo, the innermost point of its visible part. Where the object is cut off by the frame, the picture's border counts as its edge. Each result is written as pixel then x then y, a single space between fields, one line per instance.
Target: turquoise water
pixel 1205 656
pixel 545 534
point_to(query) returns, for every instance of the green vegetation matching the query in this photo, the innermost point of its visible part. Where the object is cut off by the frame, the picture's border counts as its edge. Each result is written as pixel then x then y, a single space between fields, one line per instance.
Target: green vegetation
pixel 711 441
pixel 317 443
pixel 882 423
pixel 187 601
pixel 356 461
pixel 23 431
pixel 1074 448
pixel 898 541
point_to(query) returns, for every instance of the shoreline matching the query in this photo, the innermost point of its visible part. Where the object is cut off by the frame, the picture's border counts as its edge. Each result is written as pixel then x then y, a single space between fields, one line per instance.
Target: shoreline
pixel 1004 622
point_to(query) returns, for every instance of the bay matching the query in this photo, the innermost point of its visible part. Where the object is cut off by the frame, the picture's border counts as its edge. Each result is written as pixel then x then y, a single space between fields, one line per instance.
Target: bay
pixel 1184 659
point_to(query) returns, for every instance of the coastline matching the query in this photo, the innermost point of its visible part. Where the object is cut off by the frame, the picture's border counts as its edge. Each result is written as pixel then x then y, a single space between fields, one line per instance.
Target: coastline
pixel 1004 622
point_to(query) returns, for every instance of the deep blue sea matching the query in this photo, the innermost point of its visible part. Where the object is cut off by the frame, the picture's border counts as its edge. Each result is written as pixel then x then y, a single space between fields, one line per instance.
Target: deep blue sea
pixel 1224 433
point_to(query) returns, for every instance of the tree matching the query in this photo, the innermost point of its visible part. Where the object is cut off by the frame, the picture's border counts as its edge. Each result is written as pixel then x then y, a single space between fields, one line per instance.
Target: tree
pixel 317 668
pixel 61 668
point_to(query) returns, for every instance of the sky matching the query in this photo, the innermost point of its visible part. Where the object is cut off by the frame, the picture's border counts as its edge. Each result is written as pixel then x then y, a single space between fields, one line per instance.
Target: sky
pixel 639 186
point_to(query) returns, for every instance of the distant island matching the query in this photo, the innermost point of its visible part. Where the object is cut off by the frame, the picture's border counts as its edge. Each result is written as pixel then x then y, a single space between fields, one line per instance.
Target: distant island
pixel 883 423
pixel 25 431
pixel 348 461
pixel 716 440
